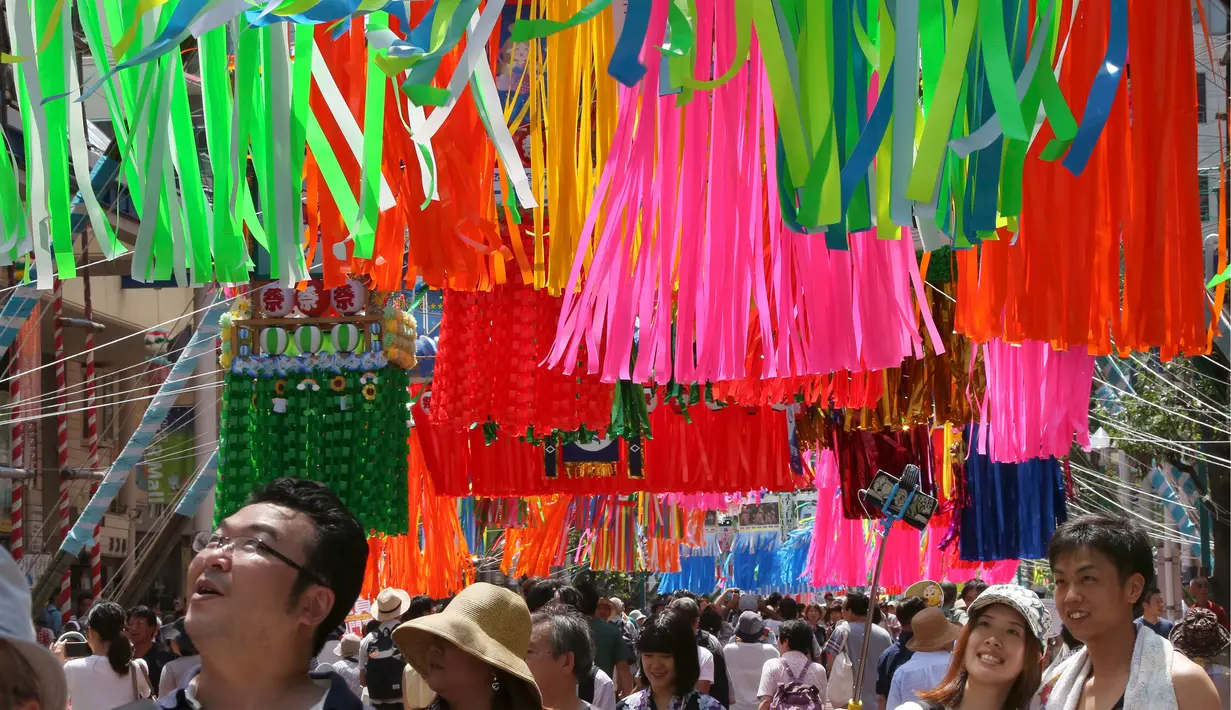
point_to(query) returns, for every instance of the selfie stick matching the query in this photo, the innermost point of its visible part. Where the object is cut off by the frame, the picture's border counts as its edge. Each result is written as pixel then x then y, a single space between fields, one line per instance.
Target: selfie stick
pixel 894 506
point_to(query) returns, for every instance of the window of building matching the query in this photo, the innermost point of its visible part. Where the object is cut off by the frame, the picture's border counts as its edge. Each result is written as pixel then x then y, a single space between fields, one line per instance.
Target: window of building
pixel 1201 97
pixel 1203 195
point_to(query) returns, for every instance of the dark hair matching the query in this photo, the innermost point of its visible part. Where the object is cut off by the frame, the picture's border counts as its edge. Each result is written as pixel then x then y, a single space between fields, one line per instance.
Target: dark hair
pixel 950 591
pixel 420 604
pixel 977 585
pixel 856 603
pixel 687 610
pixel 589 598
pixel 371 627
pixel 442 604
pixel 908 607
pixel 1120 539
pixel 711 621
pixel 339 552
pixel 669 633
pixel 797 636
pixel 570 633
pixel 1148 594
pixel 175 632
pixel 1069 639
pixel 145 614
pixel 788 609
pixel 107 619
pixel 950 690
pixel 546 591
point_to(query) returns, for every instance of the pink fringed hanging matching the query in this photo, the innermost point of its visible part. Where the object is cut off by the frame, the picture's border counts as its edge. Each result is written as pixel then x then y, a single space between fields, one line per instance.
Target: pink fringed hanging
pixel 838 555
pixel 682 205
pixel 1037 400
pixel 902 552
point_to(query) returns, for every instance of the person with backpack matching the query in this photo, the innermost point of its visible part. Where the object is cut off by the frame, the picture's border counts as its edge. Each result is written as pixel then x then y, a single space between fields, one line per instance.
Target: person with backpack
pixel 380 662
pixel 746 656
pixel 795 681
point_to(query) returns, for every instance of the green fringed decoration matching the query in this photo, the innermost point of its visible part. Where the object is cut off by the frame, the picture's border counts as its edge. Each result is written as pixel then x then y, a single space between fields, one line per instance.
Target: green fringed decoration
pixel 629 415
pixel 272 428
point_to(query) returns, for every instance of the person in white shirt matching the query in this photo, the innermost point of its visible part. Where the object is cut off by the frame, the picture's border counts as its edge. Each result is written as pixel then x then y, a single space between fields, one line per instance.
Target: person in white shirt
pixel 175 672
pixel 746 656
pixel 111 677
pixel 796 666
pixel 560 655
pixel 932 648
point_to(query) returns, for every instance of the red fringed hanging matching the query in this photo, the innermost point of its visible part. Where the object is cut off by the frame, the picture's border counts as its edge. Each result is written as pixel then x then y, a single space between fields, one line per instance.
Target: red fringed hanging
pixel 730 450
pixel 487 367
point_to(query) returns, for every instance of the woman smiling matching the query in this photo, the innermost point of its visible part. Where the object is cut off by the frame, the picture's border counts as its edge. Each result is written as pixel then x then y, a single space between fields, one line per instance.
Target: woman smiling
pixel 670 667
pixel 998 660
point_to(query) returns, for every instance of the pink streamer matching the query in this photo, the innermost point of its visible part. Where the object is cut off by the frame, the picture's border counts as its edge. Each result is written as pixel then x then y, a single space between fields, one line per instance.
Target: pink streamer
pixel 1037 401
pixel 683 199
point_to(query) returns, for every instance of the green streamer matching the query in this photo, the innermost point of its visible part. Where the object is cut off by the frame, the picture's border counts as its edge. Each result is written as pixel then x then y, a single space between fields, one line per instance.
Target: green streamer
pixel 373 139
pixel 526 30
pixel 935 141
pixel 1000 69
pixel 231 260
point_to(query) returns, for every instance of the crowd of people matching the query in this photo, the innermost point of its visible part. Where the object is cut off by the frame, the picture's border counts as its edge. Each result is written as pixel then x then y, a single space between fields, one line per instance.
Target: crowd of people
pixel 271 587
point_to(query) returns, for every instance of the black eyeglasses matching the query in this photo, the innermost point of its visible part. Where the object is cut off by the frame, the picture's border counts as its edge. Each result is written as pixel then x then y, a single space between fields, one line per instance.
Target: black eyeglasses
pixel 250 546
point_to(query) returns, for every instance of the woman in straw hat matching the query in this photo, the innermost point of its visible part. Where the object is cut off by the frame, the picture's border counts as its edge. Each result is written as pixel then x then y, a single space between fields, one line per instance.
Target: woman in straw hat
pixel 473 653
pixel 997 664
pixel 670 665
pixel 30 677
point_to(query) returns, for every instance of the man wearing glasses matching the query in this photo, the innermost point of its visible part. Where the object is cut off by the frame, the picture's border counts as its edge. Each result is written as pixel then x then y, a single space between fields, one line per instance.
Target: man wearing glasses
pixel 1200 588
pixel 265 589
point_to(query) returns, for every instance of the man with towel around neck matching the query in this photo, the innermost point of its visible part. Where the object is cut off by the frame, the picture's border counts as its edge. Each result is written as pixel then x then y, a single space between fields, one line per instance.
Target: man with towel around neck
pixel 1102 565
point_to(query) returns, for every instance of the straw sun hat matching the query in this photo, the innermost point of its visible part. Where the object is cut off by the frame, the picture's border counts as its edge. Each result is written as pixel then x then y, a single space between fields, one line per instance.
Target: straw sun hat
pixel 933 632
pixel 16 629
pixel 488 622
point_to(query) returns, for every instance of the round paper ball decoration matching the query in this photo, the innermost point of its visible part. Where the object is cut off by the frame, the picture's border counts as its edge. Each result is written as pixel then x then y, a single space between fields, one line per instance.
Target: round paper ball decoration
pixel 308 339
pixel 156 342
pixel 345 337
pixel 350 297
pixel 273 341
pixel 313 299
pixel 277 301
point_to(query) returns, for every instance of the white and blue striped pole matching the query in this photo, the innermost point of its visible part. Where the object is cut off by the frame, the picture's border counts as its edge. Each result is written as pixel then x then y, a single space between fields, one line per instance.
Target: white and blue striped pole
pixel 82 534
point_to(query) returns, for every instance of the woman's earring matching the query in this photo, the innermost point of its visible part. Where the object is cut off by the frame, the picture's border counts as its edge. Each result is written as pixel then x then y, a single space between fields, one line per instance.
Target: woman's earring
pixel 495 684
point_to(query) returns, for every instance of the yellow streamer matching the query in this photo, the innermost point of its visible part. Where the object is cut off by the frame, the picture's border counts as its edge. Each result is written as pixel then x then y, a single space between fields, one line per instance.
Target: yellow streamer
pixel 580 121
pixel 130 35
pixel 48 33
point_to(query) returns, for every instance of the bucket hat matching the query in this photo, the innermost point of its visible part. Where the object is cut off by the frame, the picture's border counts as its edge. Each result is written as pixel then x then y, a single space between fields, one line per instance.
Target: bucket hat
pixel 17 629
pixel 1024 601
pixel 933 632
pixel 488 622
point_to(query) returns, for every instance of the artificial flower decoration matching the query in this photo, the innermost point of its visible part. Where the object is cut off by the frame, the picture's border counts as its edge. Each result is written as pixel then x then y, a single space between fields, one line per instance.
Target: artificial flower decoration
pixel 337 384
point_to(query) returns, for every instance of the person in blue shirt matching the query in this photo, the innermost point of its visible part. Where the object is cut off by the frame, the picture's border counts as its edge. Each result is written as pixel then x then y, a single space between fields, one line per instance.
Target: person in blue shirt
pixel 898 653
pixel 1152 614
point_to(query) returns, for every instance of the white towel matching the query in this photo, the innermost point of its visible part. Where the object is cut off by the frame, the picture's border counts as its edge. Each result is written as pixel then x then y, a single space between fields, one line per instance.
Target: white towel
pixel 1149 680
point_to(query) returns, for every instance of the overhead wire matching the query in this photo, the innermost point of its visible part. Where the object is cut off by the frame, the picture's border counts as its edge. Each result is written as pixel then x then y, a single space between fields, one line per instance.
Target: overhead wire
pixel 122 338
pixel 1165 409
pixel 1194 394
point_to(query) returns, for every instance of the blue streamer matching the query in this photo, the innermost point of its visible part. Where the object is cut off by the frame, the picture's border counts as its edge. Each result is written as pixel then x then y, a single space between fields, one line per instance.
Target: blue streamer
pixel 201 485
pixel 1102 91
pixel 202 341
pixel 856 169
pixel 625 65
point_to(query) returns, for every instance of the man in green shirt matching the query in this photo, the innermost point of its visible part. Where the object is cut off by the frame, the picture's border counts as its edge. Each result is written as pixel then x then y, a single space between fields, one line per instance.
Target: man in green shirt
pixel 611 654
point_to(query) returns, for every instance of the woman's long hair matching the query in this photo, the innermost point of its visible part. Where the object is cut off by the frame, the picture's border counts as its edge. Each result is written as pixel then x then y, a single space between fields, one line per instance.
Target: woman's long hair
pixel 107 619
pixel 953 686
